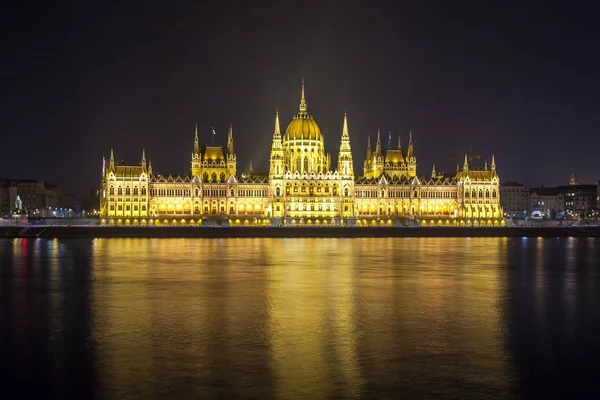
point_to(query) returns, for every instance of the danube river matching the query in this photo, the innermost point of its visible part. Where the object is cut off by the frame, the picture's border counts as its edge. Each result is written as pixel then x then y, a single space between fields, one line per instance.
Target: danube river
pixel 394 318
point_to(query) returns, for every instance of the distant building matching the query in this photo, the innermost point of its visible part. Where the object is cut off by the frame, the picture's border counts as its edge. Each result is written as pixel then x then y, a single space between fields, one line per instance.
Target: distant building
pixel 8 195
pixel 580 200
pixel 550 201
pixel 514 199
pixel 37 197
pixel 598 196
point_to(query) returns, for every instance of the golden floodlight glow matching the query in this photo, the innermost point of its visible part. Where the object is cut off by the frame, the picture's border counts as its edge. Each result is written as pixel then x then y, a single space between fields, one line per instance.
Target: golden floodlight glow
pixel 300 186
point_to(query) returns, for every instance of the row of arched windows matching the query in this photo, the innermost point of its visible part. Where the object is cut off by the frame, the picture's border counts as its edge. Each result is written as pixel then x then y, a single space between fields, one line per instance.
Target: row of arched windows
pixel 111 191
pixel 473 193
pixel 213 177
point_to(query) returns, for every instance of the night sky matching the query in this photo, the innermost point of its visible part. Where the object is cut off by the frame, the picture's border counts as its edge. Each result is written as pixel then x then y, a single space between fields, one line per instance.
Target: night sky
pixel 520 81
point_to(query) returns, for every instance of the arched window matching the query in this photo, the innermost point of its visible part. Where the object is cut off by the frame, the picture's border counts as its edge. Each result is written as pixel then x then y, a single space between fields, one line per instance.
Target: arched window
pixel 120 191
pixel 222 176
pixel 278 191
pixel 494 193
pixel 306 164
pixel 143 190
pixel 128 191
pixel 111 190
pixel 382 193
pixel 231 192
pixel 277 170
pixel 135 191
pixel 346 192
pixel 205 176
pixel 298 164
pixel 196 192
pixel 335 190
pixel 473 194
pixel 214 177
pixel 487 194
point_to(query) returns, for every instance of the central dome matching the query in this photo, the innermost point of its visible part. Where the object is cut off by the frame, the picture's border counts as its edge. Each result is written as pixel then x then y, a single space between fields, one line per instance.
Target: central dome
pixel 303 127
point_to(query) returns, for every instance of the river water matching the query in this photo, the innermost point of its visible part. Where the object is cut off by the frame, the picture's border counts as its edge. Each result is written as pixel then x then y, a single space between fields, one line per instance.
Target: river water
pixel 394 318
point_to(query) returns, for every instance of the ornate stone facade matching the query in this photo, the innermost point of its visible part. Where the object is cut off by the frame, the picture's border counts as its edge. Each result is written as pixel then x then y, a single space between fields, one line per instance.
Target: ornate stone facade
pixel 300 187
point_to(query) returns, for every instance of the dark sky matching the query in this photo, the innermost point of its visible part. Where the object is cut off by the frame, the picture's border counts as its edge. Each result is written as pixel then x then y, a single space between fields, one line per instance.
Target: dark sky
pixel 521 81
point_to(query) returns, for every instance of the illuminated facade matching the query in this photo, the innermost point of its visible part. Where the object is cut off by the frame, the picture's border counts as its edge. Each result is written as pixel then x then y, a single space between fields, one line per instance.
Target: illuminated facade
pixel 301 187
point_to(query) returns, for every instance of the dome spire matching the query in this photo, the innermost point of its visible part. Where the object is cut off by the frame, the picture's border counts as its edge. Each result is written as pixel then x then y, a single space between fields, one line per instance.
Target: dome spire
pixel 303 100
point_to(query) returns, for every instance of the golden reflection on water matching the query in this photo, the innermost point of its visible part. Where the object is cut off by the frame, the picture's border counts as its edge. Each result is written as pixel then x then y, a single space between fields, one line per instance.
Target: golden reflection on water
pixel 313 311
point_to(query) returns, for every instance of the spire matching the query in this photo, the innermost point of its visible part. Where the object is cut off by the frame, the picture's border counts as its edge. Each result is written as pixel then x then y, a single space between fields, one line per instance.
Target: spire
pixel 466 164
pixel 250 170
pixel 399 143
pixel 150 167
pixel 378 146
pixel 302 100
pixel 410 151
pixel 345 135
pixel 111 163
pixel 144 158
pixel 345 166
pixel 433 172
pixel 196 144
pixel 369 147
pixel 493 164
pixel 277 131
pixel 230 139
pixel 573 181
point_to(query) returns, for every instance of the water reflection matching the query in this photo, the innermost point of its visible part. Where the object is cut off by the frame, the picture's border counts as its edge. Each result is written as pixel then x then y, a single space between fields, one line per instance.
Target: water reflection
pixel 301 318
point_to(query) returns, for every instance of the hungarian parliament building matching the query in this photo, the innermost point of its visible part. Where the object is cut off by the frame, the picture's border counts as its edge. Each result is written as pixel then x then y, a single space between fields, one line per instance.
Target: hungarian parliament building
pixel 300 188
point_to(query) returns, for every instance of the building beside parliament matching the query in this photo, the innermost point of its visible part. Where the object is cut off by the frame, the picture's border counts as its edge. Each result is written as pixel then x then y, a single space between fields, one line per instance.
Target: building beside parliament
pixel 301 187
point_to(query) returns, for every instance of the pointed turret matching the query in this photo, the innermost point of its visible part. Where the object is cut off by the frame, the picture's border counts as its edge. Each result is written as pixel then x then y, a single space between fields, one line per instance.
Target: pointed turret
pixel 493 166
pixel 143 156
pixel 433 172
pixel 345 164
pixel 466 164
pixel 369 147
pixel 303 107
pixel 276 168
pixel 195 164
pixel 399 144
pixel 230 140
pixel 573 181
pixel 277 131
pixel 196 143
pixel 250 170
pixel 378 145
pixel 410 153
pixel 111 163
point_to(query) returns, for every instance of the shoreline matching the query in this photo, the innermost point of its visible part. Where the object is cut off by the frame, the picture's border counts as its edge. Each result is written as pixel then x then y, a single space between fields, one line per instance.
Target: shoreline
pixel 90 232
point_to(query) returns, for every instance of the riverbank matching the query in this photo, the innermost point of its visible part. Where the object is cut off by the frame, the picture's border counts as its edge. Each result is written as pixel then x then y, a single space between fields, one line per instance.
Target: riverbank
pixel 63 232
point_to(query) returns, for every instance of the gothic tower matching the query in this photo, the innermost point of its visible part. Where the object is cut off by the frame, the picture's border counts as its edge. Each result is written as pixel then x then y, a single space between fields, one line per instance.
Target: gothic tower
pixel 345 165
pixel 231 157
pixel 195 167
